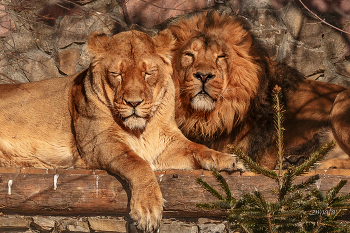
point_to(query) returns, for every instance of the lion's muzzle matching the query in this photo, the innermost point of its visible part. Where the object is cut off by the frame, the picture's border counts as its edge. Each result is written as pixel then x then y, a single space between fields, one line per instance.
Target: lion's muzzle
pixel 132 115
pixel 202 101
pixel 204 77
pixel 133 104
pixel 134 122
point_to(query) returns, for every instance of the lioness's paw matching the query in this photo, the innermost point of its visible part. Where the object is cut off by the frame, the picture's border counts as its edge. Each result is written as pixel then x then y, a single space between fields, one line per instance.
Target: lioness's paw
pixel 222 162
pixel 146 209
pixel 229 162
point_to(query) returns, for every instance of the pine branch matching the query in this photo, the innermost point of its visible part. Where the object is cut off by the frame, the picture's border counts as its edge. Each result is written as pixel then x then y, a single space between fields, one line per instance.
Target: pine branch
pixel 262 200
pixel 254 214
pixel 313 159
pixel 340 206
pixel 318 194
pixel 210 189
pixel 288 228
pixel 278 119
pixel 341 198
pixel 224 186
pixel 311 180
pixel 253 200
pixel 287 201
pixel 286 185
pixel 251 165
pixel 334 191
pixel 207 206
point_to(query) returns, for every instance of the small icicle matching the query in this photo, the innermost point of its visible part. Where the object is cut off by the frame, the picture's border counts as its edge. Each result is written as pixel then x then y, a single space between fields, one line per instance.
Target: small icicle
pixel 55 181
pixel 97 178
pixel 9 185
pixel 161 177
pixel 318 183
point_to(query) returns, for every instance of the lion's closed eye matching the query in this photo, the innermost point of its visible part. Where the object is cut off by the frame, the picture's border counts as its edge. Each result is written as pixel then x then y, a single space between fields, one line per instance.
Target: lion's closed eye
pixel 187 59
pixel 189 54
pixel 220 58
pixel 151 76
pixel 115 75
pixel 115 78
pixel 147 75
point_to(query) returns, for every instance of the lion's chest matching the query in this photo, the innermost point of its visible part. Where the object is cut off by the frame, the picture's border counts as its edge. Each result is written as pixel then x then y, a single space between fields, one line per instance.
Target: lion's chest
pixel 149 146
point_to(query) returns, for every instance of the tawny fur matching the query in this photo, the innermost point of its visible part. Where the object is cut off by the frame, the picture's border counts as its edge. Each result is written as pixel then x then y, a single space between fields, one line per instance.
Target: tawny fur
pixel 117 115
pixel 224 81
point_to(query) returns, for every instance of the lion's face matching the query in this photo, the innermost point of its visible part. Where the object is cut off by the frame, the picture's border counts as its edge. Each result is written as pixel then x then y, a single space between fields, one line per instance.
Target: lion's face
pixel 215 74
pixel 139 89
pixel 203 66
pixel 132 79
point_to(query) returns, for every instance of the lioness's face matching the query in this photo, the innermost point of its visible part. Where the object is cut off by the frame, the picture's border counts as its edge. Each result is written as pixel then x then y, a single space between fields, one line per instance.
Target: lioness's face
pixel 203 67
pixel 134 77
pixel 139 89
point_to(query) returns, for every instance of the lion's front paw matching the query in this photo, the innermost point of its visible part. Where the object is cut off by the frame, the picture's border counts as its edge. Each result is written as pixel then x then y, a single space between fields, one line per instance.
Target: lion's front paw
pixel 335 163
pixel 146 209
pixel 229 162
pixel 222 162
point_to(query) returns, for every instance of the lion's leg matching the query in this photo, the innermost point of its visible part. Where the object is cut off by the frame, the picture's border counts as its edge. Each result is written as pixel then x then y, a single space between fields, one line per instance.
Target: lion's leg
pixel 268 159
pixel 146 204
pixel 184 154
pixel 340 120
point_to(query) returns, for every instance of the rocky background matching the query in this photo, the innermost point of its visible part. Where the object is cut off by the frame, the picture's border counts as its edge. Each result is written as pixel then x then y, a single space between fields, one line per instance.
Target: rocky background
pixel 45 39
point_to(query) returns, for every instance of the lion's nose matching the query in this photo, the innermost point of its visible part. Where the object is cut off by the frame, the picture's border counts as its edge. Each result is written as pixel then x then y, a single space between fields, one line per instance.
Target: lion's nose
pixel 204 77
pixel 133 104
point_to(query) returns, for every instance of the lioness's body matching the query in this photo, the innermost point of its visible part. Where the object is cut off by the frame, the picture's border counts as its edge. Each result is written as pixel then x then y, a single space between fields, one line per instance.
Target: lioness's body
pixel 36 127
pixel 224 84
pixel 118 115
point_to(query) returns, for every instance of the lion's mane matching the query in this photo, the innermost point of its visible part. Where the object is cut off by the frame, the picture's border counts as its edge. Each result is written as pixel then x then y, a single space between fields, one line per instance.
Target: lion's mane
pixel 246 75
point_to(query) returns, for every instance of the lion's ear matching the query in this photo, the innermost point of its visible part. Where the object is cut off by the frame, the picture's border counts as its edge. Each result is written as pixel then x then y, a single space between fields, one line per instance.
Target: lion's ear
pixel 98 42
pixel 164 42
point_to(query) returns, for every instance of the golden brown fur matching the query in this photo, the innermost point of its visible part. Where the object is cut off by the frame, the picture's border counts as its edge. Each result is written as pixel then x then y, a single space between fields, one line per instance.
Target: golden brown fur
pixel 117 115
pixel 224 81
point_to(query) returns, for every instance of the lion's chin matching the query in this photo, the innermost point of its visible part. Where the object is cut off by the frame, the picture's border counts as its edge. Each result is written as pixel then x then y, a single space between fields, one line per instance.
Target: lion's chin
pixel 135 122
pixel 203 102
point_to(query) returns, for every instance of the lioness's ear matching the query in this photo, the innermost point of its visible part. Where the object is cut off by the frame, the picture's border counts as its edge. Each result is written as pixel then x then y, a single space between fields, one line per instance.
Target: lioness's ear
pixel 164 42
pixel 98 42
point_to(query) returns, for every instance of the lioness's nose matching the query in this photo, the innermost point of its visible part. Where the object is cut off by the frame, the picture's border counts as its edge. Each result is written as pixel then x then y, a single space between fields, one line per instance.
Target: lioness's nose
pixel 203 77
pixel 133 103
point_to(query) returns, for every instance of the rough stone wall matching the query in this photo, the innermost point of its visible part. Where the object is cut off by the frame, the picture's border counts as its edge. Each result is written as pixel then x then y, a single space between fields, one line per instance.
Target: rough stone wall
pixel 55 224
pixel 37 44
pixel 40 41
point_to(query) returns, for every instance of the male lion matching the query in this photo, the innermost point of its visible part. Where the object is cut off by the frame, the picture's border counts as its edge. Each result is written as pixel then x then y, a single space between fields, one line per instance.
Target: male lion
pixel 224 81
pixel 117 115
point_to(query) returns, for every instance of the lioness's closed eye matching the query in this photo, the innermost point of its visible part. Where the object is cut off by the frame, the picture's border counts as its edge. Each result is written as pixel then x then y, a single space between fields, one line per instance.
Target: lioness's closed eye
pixel 117 115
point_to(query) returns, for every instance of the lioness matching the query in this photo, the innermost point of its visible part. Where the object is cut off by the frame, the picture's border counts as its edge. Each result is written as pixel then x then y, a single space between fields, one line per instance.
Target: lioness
pixel 117 115
pixel 224 81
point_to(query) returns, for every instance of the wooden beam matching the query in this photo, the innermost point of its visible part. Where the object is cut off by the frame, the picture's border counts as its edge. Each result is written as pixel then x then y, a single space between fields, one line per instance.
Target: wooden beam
pixel 85 192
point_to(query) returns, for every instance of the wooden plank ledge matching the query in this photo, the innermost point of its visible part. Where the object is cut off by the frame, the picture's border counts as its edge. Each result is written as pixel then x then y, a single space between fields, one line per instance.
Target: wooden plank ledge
pixel 86 192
